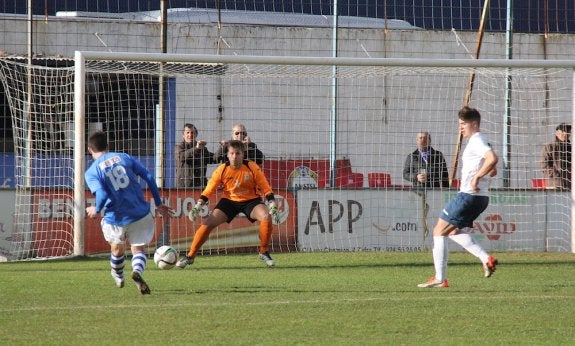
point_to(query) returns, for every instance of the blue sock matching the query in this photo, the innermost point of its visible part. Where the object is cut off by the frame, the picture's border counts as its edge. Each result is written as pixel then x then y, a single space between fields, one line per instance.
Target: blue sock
pixel 139 262
pixel 117 264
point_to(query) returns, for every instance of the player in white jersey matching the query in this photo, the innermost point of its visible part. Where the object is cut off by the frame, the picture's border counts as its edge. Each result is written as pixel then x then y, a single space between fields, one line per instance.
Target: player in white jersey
pixel 478 166
pixel 113 179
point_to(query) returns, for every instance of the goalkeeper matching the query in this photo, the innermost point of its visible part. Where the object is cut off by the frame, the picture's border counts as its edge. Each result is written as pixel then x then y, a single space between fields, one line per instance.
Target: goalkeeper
pixel 243 184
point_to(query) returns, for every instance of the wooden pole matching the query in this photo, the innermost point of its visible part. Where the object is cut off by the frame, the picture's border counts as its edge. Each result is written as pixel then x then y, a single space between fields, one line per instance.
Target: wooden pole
pixel 470 83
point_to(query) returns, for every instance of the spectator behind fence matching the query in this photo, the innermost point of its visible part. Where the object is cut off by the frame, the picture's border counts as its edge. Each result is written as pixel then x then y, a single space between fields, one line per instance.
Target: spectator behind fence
pixel 192 159
pixel 239 133
pixel 426 167
pixel 556 158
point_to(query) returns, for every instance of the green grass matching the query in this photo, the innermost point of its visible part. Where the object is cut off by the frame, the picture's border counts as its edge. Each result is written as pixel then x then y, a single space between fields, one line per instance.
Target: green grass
pixel 308 299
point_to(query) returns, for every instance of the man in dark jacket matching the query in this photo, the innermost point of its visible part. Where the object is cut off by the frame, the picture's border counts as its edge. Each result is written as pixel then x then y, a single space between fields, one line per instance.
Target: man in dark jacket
pixel 556 158
pixel 426 167
pixel 239 133
pixel 192 159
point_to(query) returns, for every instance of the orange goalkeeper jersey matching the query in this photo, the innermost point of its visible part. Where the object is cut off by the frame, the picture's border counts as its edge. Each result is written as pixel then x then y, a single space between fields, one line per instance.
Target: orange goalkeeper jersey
pixel 240 184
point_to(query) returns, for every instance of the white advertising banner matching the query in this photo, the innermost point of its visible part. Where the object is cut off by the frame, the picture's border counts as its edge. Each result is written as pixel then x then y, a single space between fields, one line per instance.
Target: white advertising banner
pixel 362 219
pixel 6 222
pixel 403 220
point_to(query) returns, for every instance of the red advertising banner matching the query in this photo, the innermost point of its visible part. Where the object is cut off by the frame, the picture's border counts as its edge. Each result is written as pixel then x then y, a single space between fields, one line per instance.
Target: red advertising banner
pixel 53 225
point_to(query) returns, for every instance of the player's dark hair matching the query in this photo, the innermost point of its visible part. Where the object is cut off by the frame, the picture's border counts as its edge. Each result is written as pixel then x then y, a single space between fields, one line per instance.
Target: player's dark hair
pixel 239 145
pixel 98 141
pixel 469 114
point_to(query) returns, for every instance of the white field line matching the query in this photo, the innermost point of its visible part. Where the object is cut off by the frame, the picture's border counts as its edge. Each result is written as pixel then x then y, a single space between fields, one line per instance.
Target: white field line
pixel 285 302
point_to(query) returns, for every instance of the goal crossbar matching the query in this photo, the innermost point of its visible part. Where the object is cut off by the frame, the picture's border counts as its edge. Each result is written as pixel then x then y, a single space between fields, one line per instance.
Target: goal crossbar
pixel 334 61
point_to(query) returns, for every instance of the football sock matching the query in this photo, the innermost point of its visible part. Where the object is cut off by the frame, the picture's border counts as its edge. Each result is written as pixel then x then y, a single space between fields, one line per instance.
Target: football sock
pixel 467 242
pixel 265 235
pixel 440 257
pixel 117 264
pixel 200 238
pixel 139 262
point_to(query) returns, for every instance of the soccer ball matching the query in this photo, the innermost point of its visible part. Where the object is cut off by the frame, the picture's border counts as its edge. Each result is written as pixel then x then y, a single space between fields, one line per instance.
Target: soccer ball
pixel 165 257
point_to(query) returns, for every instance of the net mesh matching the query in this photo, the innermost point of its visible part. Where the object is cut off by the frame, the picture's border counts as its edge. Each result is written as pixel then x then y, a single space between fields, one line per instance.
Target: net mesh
pixel 335 140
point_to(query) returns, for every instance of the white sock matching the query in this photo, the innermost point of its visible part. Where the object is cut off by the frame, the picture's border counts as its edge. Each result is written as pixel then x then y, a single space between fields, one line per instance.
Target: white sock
pixel 467 242
pixel 440 257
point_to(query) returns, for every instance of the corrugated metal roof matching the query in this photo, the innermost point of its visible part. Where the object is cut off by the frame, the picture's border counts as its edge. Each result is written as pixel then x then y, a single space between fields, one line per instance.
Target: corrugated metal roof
pixel 211 16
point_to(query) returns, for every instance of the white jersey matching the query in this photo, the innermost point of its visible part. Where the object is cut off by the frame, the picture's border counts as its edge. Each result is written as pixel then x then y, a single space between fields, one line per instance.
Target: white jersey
pixel 472 160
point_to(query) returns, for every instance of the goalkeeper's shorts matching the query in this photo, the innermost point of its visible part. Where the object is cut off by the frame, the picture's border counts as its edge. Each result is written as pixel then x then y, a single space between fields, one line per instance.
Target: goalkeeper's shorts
pixel 232 208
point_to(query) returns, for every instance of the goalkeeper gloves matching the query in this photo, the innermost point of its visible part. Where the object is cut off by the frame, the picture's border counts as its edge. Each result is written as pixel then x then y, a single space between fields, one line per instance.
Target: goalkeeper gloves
pixel 274 212
pixel 195 211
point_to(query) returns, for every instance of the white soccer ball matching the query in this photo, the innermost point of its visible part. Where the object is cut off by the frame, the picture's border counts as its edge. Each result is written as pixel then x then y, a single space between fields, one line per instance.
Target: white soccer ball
pixel 165 257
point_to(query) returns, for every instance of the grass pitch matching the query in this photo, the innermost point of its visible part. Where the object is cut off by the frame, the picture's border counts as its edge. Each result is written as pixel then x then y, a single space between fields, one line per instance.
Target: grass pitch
pixel 363 298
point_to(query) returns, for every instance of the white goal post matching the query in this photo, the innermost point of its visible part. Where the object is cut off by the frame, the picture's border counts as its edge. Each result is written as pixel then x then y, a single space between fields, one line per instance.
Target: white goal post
pixel 335 133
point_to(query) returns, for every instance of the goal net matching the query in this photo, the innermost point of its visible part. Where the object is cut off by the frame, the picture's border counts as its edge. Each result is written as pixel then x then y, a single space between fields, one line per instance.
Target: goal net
pixel 38 219
pixel 336 135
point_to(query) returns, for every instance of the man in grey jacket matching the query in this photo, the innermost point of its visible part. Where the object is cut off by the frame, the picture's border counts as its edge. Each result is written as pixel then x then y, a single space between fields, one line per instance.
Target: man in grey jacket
pixel 192 159
pixel 426 167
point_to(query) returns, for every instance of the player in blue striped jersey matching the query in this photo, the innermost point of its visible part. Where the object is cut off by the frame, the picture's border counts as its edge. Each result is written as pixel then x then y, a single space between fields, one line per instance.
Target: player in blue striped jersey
pixel 113 179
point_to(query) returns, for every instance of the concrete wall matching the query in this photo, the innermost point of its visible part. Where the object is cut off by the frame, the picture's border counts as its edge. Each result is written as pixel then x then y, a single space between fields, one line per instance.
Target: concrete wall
pixel 60 36
pixel 378 115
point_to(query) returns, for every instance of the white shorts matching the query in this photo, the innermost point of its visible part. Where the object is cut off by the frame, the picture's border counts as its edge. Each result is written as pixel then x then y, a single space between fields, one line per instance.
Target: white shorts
pixel 138 233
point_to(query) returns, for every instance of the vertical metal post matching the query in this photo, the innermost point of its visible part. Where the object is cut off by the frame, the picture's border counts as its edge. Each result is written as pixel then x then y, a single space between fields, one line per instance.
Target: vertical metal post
pixel 28 116
pixel 161 110
pixel 333 115
pixel 508 89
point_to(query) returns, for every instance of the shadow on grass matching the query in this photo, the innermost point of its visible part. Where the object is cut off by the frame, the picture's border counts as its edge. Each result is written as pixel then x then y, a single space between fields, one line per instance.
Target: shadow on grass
pixel 204 262
pixel 199 266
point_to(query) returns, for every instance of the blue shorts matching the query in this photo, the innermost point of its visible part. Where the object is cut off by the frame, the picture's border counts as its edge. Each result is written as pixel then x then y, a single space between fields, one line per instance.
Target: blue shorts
pixel 463 209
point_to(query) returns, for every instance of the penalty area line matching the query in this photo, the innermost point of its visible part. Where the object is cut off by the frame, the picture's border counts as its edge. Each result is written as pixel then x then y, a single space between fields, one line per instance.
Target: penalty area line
pixel 284 302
